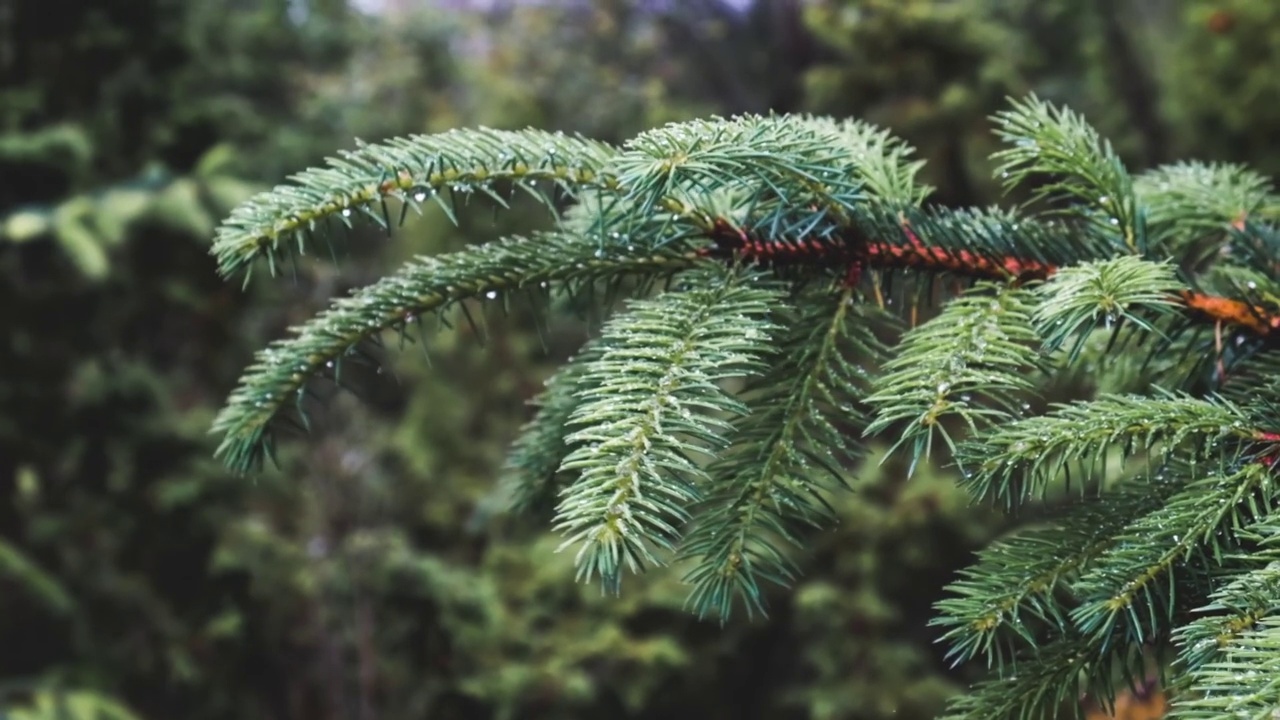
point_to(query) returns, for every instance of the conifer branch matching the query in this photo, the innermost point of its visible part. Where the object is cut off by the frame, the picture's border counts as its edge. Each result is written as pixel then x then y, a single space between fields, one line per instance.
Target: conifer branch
pixel 1081 166
pixel 426 285
pixel 649 404
pixel 974 361
pixel 1187 200
pixel 797 163
pixel 1123 289
pixel 410 170
pixel 1021 460
pixel 1050 680
pixel 1243 684
pixel 1014 591
pixel 770 482
pixel 1129 588
pixel 1234 610
pixel 881 161
pixel 754 221
pixel 857 249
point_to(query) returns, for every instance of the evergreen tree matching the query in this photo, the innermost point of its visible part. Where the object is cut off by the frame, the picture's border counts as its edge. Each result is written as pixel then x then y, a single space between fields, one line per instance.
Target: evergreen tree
pixel 772 261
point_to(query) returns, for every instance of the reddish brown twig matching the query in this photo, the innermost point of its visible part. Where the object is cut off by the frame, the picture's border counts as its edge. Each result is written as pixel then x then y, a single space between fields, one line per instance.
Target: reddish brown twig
pixel 731 240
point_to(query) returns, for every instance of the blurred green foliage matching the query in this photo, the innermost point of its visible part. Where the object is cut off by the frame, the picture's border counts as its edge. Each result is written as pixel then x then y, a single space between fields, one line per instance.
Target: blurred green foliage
pixel 1163 79
pixel 378 575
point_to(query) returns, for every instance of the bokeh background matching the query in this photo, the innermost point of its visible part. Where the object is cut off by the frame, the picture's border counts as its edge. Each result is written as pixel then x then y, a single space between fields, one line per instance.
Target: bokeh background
pixel 376 575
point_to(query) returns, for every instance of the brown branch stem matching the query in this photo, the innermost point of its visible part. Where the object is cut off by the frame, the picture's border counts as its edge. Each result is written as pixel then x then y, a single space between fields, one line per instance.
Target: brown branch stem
pixel 730 239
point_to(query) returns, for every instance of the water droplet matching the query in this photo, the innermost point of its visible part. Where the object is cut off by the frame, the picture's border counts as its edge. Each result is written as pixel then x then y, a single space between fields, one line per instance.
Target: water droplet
pixel 1251 285
pixel 420 196
pixel 492 294
pixel 346 212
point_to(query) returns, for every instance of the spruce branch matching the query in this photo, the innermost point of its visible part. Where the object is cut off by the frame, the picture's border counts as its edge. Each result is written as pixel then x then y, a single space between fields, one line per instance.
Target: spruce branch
pixel 410 170
pixel 779 235
pixel 1130 587
pixel 425 285
pixel 1235 609
pixel 968 243
pixel 1187 200
pixel 795 163
pixel 1123 289
pixel 974 362
pixel 1014 590
pixel 770 482
pixel 1245 683
pixel 880 161
pixel 1020 459
pixel 1077 164
pixel 1051 679
pixel 973 244
pixel 650 405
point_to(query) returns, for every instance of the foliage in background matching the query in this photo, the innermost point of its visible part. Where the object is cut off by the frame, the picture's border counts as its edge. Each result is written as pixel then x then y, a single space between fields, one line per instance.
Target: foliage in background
pixel 1161 78
pixel 1220 92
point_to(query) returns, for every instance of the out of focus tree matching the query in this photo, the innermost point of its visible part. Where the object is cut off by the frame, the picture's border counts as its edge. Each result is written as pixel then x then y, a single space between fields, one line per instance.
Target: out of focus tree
pixel 1221 91
pixel 932 70
pixel 1160 78
pixel 126 132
